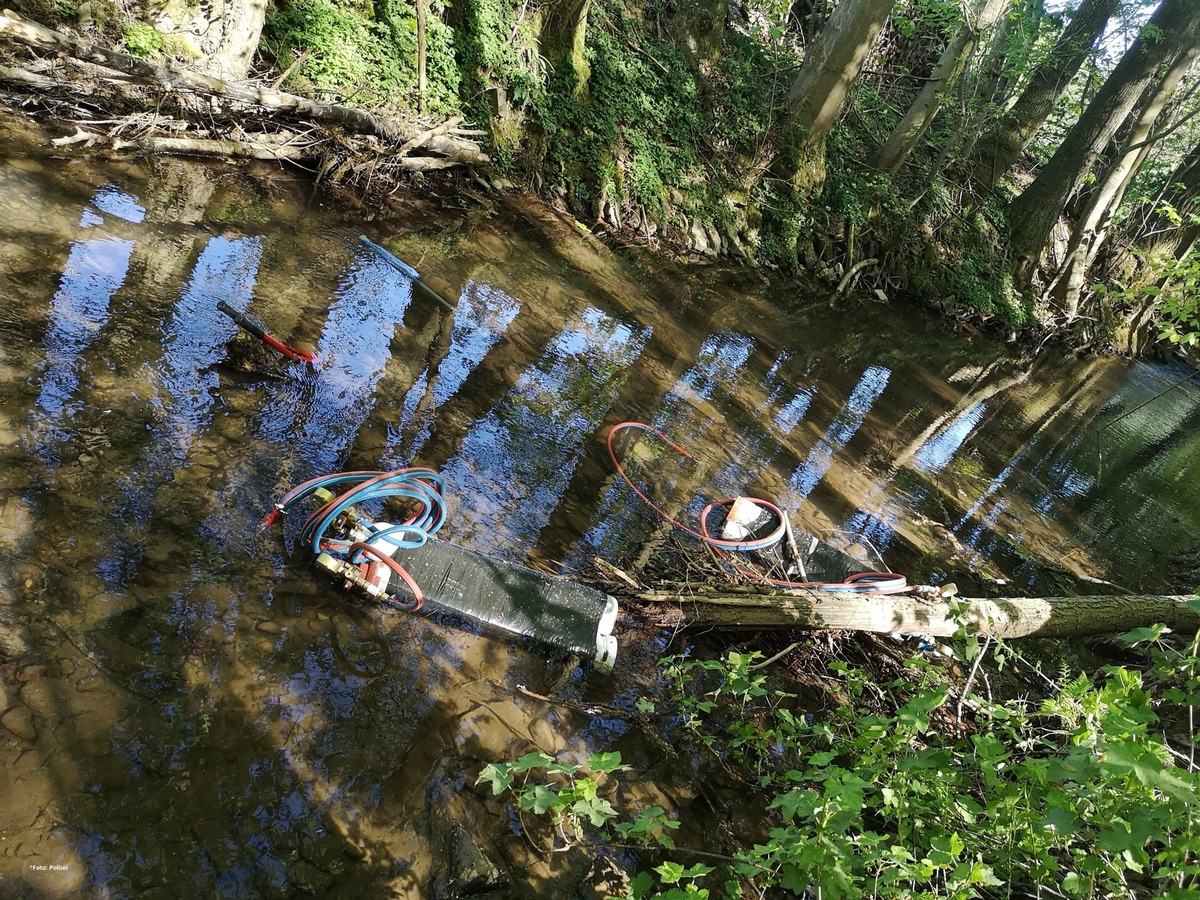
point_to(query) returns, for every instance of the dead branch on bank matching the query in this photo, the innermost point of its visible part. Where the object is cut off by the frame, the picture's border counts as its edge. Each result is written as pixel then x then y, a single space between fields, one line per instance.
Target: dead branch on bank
pixel 249 148
pixel 444 146
pixel 1008 617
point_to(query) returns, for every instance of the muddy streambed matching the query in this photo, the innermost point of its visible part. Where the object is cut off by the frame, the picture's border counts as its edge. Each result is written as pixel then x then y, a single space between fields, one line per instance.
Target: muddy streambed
pixel 187 710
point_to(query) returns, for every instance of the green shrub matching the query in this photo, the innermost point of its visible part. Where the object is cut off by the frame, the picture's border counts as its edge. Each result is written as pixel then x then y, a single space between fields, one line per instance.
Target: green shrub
pixel 883 794
pixel 367 54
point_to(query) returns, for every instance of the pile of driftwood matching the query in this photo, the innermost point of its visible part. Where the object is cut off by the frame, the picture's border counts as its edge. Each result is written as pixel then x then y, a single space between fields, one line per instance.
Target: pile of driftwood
pixel 125 102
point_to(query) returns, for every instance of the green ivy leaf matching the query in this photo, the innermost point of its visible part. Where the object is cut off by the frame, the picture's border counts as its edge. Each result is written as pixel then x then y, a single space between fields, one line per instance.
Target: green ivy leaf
pixel 499 776
pixel 605 762
pixel 669 872
pixel 531 761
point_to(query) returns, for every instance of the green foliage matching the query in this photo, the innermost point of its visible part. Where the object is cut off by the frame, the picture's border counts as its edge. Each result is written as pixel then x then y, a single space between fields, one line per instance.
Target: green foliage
pixel 862 198
pixel 883 795
pixel 366 53
pixel 64 10
pixel 742 97
pixel 980 281
pixel 634 133
pixel 143 40
pixel 984 284
pixel 496 46
pixel 879 796
pixel 1177 301
pixel 570 800
pixel 912 16
pixel 578 812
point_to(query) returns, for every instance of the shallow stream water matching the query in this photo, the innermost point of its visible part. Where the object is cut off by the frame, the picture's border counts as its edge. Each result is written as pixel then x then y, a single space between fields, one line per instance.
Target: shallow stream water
pixel 187 710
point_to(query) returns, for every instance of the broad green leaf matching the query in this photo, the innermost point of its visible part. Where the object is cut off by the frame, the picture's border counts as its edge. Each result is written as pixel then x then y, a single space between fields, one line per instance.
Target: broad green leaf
pixel 597 811
pixel 794 880
pixel 1063 821
pixel 605 762
pixel 531 761
pixel 1144 635
pixel 543 799
pixel 796 802
pixel 499 776
pixel 669 872
pixel 640 885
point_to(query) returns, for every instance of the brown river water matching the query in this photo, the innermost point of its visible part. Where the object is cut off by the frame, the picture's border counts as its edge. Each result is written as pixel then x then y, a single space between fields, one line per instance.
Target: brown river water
pixel 187 710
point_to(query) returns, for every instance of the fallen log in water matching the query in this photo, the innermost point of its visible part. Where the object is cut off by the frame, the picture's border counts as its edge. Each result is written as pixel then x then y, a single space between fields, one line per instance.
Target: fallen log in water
pixel 1007 617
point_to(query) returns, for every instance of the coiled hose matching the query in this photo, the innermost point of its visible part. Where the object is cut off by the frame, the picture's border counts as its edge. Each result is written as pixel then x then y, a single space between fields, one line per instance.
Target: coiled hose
pixel 861 582
pixel 424 486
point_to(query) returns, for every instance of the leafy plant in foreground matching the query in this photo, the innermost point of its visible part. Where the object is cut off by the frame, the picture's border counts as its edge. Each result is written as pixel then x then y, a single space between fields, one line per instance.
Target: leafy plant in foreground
pixel 888 793
pixel 544 786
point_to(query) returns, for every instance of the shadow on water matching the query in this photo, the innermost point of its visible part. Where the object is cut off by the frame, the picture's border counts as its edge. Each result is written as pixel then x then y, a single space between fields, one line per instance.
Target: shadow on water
pixel 186 710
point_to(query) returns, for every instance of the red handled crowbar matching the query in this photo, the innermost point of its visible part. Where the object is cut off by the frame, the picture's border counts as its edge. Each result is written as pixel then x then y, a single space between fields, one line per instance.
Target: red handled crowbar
pixel 260 331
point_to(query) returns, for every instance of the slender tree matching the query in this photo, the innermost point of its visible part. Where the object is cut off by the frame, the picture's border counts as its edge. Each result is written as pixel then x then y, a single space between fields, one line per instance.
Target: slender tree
pixel 808 17
pixel 1172 30
pixel 904 139
pixel 816 98
pixel 1000 148
pixel 1093 225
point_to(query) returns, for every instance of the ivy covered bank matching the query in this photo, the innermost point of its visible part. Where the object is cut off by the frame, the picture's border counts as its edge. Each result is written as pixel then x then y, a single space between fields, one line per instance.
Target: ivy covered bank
pixel 1025 164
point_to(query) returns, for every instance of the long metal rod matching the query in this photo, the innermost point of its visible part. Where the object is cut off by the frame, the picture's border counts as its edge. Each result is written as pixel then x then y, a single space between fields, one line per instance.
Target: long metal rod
pixel 405 269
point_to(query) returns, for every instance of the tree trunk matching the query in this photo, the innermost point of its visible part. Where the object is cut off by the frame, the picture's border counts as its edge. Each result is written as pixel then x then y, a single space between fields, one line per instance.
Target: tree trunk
pixel 831 66
pixel 1010 617
pixel 226 32
pixel 999 150
pixel 422 16
pixel 1092 227
pixel 902 141
pixel 563 40
pixel 1173 29
pixel 697 28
